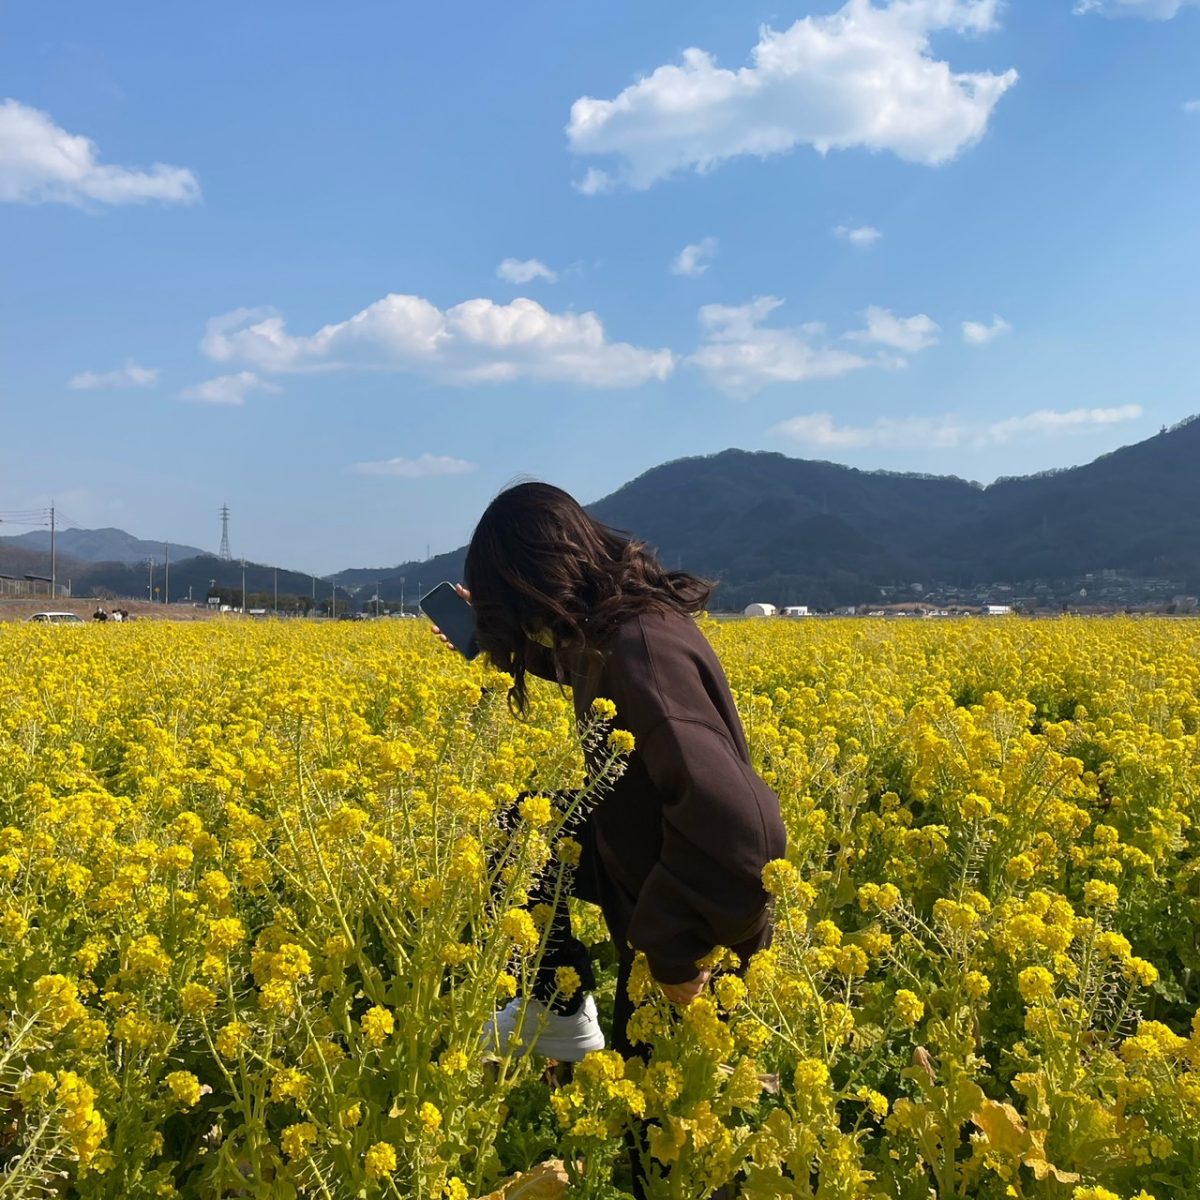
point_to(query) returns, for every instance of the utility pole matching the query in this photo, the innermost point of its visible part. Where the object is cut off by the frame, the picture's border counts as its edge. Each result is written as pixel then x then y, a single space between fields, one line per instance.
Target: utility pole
pixel 277 591
pixel 332 597
pixel 377 597
pixel 314 600
pixel 166 572
pixel 243 586
pixel 402 595
pixel 53 558
pixel 150 587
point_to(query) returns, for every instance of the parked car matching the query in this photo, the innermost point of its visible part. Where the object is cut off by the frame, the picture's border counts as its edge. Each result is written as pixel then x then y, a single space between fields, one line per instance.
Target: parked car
pixel 59 618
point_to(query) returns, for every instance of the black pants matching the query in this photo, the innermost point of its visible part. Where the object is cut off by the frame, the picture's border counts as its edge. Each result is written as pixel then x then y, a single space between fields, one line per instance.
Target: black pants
pixel 563 948
pixel 587 882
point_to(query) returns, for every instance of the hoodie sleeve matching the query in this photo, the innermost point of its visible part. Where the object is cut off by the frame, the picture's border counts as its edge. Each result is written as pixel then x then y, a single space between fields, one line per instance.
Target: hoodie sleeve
pixel 720 821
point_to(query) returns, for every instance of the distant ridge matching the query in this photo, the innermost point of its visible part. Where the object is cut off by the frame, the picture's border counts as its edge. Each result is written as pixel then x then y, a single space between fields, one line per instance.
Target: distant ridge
pixel 100 545
pixel 799 531
pixel 791 531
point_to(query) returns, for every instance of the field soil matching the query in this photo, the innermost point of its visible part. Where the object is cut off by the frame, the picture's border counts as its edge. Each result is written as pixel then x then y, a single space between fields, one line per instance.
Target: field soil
pixel 22 610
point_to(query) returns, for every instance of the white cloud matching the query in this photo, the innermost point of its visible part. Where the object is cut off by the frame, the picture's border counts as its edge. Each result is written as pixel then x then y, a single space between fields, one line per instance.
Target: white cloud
pixel 41 162
pixel 595 182
pixel 1191 106
pixel 1047 422
pixel 425 467
pixel 693 260
pixel 909 334
pixel 741 355
pixel 1153 10
pixel 518 270
pixel 858 235
pixel 864 76
pixel 975 333
pixel 128 376
pixel 821 431
pixel 478 341
pixel 228 389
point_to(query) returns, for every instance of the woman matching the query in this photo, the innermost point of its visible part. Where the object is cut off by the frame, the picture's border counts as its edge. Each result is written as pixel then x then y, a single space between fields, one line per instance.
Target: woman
pixel 674 852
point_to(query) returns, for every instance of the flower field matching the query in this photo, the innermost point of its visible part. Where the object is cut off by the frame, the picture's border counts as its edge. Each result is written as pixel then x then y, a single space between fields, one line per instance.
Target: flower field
pixel 256 904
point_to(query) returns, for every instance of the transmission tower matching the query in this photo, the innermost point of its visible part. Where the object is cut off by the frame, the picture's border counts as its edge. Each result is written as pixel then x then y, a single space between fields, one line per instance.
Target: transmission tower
pixel 225 555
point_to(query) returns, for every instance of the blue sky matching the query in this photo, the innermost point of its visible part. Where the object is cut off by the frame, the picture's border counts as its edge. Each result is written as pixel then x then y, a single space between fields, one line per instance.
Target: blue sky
pixel 256 254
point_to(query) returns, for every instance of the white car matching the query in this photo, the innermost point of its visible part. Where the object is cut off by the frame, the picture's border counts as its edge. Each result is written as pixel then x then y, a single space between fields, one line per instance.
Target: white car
pixel 59 618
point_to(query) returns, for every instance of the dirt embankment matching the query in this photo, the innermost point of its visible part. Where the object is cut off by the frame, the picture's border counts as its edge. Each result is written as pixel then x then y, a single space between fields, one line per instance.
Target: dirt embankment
pixel 22 610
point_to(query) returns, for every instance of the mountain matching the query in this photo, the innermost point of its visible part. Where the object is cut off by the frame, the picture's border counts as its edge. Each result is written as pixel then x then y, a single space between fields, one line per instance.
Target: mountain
pixel 797 531
pixel 17 561
pixel 788 530
pixel 1136 510
pixel 201 573
pixel 99 545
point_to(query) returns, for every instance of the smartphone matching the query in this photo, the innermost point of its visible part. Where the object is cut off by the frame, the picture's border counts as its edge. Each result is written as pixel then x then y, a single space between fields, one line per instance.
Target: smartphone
pixel 453 616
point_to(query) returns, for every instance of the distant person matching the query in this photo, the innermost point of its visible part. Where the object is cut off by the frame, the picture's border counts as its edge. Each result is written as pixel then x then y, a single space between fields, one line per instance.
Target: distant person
pixel 116 615
pixel 100 615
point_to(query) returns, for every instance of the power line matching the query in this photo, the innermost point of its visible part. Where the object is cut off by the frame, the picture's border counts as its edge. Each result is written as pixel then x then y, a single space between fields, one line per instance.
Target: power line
pixel 34 518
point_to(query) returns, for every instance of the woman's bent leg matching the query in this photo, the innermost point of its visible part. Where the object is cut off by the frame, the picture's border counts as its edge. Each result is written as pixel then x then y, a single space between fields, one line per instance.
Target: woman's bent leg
pixel 563 948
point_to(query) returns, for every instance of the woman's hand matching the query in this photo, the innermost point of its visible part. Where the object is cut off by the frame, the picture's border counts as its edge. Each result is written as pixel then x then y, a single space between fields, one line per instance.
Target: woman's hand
pixel 462 591
pixel 684 993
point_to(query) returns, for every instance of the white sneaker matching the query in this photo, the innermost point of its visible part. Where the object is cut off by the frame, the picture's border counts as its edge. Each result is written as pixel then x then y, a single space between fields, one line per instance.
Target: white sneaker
pixel 551 1034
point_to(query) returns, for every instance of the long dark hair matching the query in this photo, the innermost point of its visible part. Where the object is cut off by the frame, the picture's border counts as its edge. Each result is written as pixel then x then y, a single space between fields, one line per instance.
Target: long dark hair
pixel 538 562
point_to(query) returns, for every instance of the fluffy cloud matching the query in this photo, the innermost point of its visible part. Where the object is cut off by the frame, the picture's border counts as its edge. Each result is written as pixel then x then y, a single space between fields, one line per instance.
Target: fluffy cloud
pixel 908 334
pixel 228 389
pixel 820 430
pixel 741 355
pixel 864 76
pixel 695 259
pixel 478 341
pixel 128 376
pixel 425 467
pixel 518 270
pixel 40 162
pixel 858 235
pixel 1154 10
pixel 975 333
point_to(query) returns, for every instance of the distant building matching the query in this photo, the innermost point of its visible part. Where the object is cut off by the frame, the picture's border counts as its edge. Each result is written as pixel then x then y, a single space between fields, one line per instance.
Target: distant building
pixel 796 610
pixel 997 610
pixel 760 610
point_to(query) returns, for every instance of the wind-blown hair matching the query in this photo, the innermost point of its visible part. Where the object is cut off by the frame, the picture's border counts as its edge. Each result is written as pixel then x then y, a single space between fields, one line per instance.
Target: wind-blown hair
pixel 538 563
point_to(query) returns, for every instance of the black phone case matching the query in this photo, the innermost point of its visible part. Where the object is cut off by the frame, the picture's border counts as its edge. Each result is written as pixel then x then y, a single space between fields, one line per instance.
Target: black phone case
pixel 453 616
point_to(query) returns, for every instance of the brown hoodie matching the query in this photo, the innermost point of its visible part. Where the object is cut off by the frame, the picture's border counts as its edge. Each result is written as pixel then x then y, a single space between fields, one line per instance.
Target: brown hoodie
pixel 684 834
